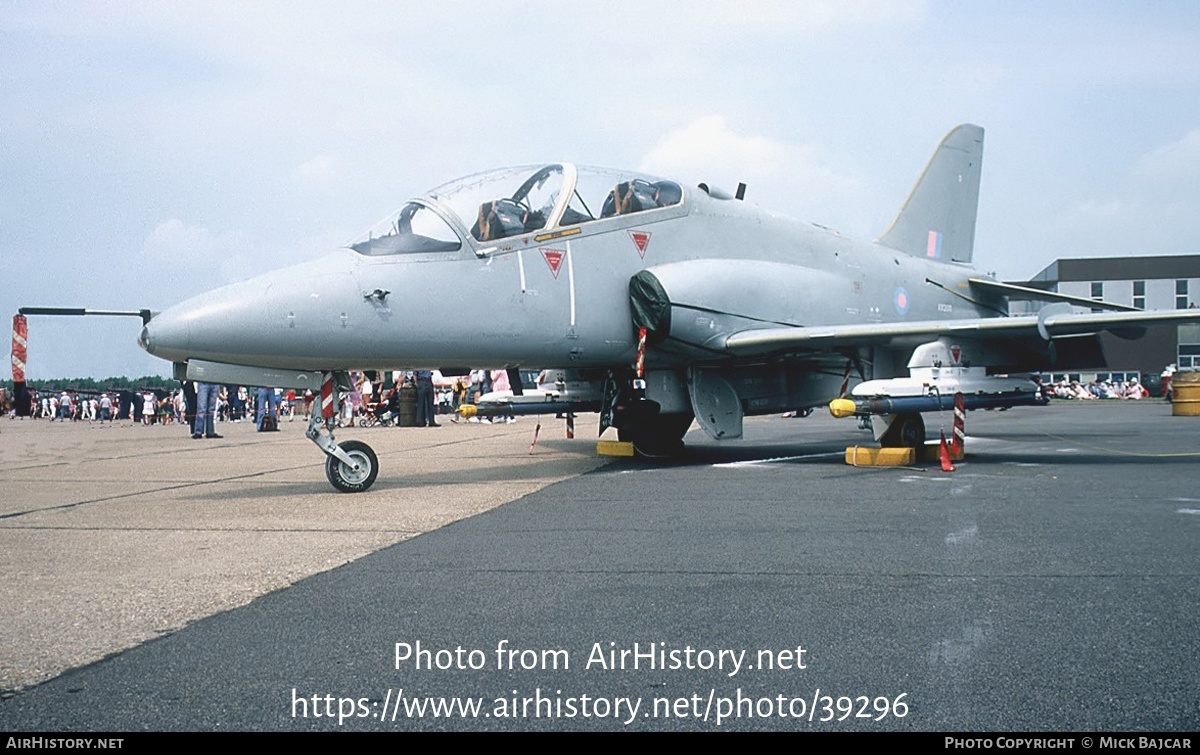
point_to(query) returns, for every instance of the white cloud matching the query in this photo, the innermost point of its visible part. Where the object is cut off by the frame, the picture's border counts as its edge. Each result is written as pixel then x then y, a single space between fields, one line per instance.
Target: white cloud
pixel 709 143
pixel 808 16
pixel 1131 225
pixel 192 248
pixel 1172 168
pixel 321 174
pixel 197 258
pixel 1147 207
pixel 780 175
pixel 175 240
pixel 1154 213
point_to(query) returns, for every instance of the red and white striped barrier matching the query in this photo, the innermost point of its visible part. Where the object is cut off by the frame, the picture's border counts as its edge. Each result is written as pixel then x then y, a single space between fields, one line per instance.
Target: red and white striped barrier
pixel 960 423
pixel 20 342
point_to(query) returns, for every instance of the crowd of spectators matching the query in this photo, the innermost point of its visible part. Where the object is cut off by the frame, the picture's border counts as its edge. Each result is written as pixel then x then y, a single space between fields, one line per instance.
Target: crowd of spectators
pixel 1095 389
pixel 374 398
pixel 374 394
pixel 150 406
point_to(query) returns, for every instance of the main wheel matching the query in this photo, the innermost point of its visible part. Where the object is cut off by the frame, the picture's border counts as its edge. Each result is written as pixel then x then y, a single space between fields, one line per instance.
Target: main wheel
pixel 346 478
pixel 660 436
pixel 906 431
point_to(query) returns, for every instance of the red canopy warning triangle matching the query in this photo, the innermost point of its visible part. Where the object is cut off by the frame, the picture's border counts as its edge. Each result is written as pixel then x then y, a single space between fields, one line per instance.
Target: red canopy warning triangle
pixel 554 258
pixel 641 239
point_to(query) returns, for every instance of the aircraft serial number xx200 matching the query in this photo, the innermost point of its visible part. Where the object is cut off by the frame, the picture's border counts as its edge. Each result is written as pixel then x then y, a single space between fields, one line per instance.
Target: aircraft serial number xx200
pixel 745 311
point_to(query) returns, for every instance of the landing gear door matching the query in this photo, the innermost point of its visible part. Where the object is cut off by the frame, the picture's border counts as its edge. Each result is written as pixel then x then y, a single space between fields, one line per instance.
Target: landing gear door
pixel 716 404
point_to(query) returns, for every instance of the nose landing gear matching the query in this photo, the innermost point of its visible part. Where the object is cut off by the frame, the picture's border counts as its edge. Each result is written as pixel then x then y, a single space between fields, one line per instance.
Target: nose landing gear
pixel 350 466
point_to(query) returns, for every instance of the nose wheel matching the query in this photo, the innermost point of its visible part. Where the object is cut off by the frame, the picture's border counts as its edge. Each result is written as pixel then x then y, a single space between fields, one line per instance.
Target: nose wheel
pixel 356 475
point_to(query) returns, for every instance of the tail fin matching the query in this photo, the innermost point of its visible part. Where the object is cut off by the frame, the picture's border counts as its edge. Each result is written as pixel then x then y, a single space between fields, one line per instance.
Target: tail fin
pixel 938 218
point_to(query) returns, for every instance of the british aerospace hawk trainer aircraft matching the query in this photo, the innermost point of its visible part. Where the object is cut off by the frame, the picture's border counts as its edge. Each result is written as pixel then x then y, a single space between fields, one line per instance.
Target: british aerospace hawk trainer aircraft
pixel 676 303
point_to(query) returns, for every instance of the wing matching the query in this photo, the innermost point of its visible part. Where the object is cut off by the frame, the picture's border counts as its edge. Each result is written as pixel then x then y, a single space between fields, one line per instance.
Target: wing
pixel 1051 324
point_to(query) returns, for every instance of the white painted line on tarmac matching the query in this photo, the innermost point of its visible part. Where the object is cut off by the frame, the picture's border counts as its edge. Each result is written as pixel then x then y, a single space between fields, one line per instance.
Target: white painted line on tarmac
pixel 759 462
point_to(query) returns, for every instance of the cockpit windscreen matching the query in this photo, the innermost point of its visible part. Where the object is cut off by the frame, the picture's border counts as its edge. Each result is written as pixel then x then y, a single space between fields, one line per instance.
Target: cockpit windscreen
pixel 413 230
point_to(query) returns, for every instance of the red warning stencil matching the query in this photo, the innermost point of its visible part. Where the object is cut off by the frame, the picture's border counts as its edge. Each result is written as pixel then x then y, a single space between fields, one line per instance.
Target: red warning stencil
pixel 641 239
pixel 554 259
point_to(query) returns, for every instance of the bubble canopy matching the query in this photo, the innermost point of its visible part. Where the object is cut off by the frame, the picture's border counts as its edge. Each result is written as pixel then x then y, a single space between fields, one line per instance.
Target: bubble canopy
pixel 497 204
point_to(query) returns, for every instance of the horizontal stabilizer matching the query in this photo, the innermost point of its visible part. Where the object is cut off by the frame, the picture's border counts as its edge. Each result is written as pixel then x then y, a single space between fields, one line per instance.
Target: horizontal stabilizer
pixel 1025 293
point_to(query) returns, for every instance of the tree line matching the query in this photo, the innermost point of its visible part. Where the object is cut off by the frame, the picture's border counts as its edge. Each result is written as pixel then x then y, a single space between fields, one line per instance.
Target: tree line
pixel 98 385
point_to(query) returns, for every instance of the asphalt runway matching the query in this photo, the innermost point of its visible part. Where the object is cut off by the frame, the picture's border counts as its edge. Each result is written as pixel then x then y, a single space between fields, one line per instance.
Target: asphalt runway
pixel 1050 583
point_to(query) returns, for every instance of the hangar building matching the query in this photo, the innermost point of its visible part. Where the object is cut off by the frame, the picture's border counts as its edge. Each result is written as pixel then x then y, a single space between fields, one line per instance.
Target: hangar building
pixel 1155 282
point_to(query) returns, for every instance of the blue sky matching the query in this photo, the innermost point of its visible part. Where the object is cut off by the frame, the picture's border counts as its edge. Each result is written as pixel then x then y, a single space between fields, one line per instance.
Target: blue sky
pixel 153 150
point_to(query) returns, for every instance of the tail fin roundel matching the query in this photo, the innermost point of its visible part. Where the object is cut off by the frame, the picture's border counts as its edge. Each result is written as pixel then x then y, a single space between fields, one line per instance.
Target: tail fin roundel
pixel 937 220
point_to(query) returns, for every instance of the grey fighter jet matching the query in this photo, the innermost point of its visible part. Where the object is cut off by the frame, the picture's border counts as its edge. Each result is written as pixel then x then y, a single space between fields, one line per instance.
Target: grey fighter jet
pixel 676 303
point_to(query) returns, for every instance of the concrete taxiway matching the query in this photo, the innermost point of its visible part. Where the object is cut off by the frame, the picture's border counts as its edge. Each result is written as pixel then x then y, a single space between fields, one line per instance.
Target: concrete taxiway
pixel 1050 583
pixel 111 534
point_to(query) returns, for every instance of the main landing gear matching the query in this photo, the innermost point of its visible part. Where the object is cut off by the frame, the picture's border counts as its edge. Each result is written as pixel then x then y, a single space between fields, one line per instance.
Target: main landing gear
pixel 656 436
pixel 905 430
pixel 639 420
pixel 351 466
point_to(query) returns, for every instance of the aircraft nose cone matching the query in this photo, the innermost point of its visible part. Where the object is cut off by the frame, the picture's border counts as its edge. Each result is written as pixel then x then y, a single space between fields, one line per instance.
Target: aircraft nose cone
pixel 275 320
pixel 167 335
pixel 207 326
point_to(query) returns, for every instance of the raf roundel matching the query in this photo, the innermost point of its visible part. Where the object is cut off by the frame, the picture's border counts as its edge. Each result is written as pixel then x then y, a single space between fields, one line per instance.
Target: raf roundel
pixel 900 299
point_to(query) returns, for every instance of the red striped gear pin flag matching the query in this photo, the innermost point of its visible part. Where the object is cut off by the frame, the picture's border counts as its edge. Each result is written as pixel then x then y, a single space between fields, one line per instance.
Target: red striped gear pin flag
pixel 327 398
pixel 640 366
